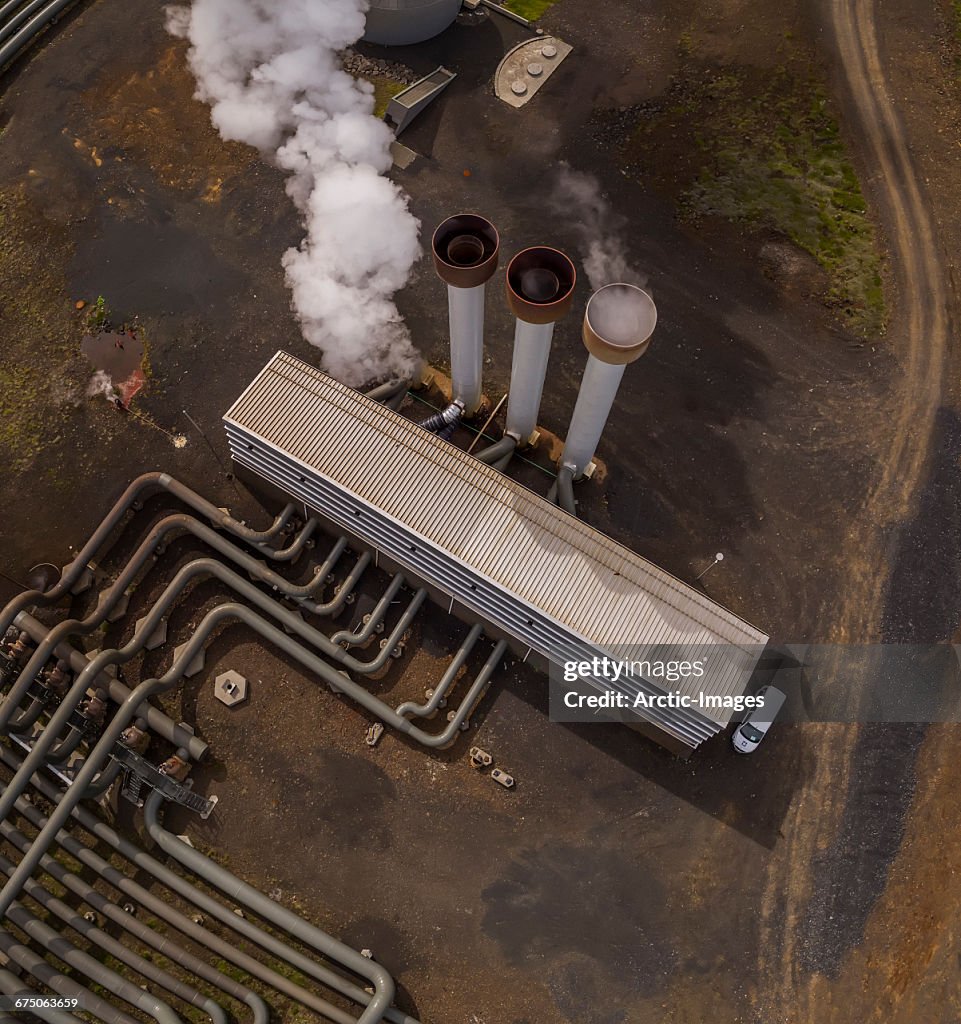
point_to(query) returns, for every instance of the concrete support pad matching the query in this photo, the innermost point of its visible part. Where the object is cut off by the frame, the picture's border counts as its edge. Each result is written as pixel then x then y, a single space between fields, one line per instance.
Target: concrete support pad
pixel 527 67
pixel 230 688
pixel 196 665
pixel 158 637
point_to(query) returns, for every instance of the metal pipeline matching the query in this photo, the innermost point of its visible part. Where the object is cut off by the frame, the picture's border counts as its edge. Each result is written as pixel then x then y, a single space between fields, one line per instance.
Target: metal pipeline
pixel 112 595
pixel 502 449
pixel 279 916
pixel 128 922
pixel 444 423
pixel 457 718
pixel 112 947
pixel 293 550
pixel 152 687
pixel 136 492
pixel 77 959
pixel 562 490
pixel 46 974
pixel 390 389
pixel 12 987
pixel 410 709
pixel 15 41
pixel 157 721
pixel 176 883
pixel 374 619
pixel 209 567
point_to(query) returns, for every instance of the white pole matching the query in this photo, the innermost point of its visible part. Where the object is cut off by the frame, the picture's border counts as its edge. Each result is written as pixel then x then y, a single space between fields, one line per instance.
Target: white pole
pixel 466 308
pixel 594 402
pixel 532 349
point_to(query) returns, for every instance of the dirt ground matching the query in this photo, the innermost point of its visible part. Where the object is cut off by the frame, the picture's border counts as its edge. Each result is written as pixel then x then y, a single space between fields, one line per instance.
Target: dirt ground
pixel 816 881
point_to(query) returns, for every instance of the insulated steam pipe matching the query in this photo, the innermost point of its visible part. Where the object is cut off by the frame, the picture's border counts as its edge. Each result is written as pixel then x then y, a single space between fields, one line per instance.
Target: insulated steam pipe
pixel 466 250
pixel 135 493
pixel 562 493
pixel 112 947
pixel 125 921
pixel 409 708
pixel 46 974
pixel 110 597
pixel 157 721
pixel 293 550
pixel 271 911
pixel 618 324
pixel 374 619
pixel 197 933
pixel 172 677
pixel 13 987
pixel 144 862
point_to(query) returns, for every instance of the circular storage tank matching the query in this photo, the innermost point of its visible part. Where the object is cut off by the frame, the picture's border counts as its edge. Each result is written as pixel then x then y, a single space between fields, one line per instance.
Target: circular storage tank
pixel 400 22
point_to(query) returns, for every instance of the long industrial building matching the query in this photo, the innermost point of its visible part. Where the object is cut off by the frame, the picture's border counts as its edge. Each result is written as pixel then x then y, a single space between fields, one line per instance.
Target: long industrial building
pixel 487 548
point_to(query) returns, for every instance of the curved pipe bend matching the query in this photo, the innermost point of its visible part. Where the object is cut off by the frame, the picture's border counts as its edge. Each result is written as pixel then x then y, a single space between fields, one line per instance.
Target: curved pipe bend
pixel 135 492
pixel 493 454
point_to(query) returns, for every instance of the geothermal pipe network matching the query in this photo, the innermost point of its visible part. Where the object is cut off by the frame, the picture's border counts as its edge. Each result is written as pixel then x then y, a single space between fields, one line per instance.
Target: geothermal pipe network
pixel 21 22
pixel 53 643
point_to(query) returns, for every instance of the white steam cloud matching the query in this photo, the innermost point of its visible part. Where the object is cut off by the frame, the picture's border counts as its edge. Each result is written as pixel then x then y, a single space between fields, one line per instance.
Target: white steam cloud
pixel 271 73
pixel 101 383
pixel 577 197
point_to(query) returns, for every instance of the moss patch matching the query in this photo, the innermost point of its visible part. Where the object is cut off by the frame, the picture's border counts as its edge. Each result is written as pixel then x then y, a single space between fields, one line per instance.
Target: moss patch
pixel 529 9
pixel 385 89
pixel 38 333
pixel 763 149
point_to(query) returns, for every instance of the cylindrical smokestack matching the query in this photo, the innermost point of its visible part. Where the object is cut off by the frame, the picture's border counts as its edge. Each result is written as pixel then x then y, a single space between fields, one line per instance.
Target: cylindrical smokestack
pixel 466 249
pixel 540 290
pixel 618 325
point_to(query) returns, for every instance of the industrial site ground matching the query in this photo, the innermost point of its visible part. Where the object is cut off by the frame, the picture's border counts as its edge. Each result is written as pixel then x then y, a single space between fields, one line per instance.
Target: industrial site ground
pixel 811 436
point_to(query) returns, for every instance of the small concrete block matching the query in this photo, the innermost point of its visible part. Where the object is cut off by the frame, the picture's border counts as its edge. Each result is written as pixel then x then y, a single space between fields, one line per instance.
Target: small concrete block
pixel 230 688
pixel 196 665
pixel 480 758
pixel 401 155
pixel 158 637
pixel 119 610
pixel 84 581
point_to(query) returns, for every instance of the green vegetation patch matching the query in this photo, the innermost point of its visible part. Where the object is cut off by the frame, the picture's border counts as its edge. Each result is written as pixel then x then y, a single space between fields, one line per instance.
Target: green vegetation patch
pixel 385 89
pixel 36 331
pixel 763 149
pixel 529 9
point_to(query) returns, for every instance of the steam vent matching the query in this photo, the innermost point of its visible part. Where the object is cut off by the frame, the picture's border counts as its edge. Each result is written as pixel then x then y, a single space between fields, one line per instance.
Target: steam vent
pixel 402 22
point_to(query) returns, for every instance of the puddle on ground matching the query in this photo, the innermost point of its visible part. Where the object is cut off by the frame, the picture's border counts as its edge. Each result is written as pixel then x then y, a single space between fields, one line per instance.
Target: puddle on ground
pixel 117 358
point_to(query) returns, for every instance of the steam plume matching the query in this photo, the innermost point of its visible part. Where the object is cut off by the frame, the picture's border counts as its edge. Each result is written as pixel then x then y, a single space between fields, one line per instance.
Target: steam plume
pixel 577 196
pixel 271 74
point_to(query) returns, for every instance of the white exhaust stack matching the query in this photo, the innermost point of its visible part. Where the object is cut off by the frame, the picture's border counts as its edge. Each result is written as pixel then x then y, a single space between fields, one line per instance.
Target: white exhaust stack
pixel 466 249
pixel 618 325
pixel 540 291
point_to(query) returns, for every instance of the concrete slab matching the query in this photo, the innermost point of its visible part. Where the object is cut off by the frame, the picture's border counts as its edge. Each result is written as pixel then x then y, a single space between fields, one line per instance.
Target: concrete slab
pixel 527 67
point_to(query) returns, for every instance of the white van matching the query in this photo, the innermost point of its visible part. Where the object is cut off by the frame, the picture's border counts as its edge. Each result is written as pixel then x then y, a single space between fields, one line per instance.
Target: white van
pixel 758 720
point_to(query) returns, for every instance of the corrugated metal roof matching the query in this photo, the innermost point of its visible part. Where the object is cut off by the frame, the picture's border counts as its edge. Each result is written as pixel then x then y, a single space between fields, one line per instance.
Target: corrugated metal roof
pixel 545 577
